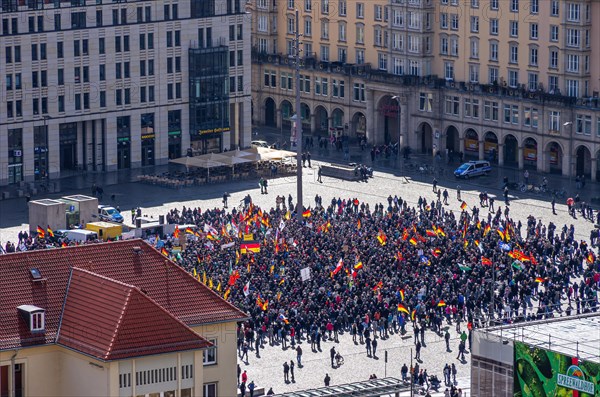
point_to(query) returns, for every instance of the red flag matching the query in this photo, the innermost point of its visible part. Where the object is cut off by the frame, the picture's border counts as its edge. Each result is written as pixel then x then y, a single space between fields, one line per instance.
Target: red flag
pixel 486 261
pixel 176 232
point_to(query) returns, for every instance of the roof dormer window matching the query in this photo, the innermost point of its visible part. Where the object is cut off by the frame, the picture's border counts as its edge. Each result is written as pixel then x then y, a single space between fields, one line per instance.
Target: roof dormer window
pixel 35 316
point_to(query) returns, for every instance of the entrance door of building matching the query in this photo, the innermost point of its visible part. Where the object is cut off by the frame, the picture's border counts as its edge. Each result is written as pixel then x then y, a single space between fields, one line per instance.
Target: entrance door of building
pixel 147 152
pixel 123 155
pixel 68 146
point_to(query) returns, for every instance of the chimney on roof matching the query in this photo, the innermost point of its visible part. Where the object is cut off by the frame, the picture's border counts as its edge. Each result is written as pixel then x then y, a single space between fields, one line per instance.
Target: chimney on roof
pixel 137 250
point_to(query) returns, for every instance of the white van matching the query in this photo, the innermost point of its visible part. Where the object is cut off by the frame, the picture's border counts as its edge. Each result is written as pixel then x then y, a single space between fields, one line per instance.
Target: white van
pixel 79 235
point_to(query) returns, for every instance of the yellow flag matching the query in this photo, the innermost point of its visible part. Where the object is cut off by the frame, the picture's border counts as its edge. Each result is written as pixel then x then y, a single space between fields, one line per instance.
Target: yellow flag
pixel 288 216
pixel 210 283
pixel 219 287
pixel 195 273
pixel 204 278
pixel 272 268
pixel 226 295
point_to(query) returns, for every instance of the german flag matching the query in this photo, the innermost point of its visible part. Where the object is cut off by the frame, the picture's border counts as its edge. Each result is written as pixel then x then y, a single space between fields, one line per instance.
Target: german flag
pixel 189 230
pixel 436 252
pixel 591 258
pixel 176 232
pixel 486 229
pixel 402 308
pixel 381 237
pixel 441 303
pixel 440 232
pixel 402 295
pixel 63 244
pixel 399 256
pixel 249 246
pixel 358 224
pixel 50 232
pixel 306 214
pixel 237 257
pixel 164 251
pixel 212 237
pixel 539 279
pixel 358 266
pixel 478 224
pixel 413 241
pixel 405 235
pixel 413 315
pixel 226 294
pixel 486 261
pixel 431 233
pixel 463 205
pixel 378 286
pixel 501 234
pixel 41 233
pixel 282 281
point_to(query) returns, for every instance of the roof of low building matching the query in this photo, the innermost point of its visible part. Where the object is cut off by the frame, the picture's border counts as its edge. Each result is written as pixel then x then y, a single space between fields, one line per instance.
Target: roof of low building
pixel 575 336
pixel 139 271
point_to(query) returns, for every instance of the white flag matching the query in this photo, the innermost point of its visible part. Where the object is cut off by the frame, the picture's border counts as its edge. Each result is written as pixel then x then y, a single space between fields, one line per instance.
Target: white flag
pixel 246 289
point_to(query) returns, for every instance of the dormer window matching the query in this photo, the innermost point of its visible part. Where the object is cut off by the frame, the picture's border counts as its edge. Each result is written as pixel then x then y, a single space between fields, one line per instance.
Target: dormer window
pixel 35 317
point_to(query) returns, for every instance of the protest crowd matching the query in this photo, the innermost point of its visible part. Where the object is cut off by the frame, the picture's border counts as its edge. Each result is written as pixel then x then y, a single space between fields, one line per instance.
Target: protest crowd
pixel 383 271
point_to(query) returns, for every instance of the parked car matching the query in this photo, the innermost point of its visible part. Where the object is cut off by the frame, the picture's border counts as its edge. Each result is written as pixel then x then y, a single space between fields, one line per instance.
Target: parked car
pixel 259 144
pixel 473 168
pixel 77 235
pixel 109 214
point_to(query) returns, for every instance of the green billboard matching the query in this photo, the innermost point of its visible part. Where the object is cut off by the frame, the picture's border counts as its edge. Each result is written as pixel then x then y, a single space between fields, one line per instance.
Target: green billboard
pixel 542 373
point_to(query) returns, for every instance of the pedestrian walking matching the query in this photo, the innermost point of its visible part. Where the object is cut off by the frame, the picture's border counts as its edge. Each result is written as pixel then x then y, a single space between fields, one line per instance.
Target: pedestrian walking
pixel 251 387
pixel 299 356
pixel 447 338
pixel 458 193
pixel 445 194
pixel 225 197
pixel 454 373
pixel 435 182
pixel 308 157
pixel 553 204
pixel 374 347
pixel 244 377
pixel 506 196
pixel 319 174
pixel 461 351
pixel 418 351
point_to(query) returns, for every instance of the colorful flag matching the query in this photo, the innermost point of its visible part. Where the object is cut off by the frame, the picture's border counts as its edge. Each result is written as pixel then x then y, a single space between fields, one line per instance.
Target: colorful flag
pixel 517 265
pixel 486 229
pixel 436 252
pixel 440 232
pixel 246 289
pixel 430 233
pixel 204 278
pixel 164 251
pixel 358 266
pixel 402 308
pixel 539 280
pixel 413 315
pixel 41 233
pixel 282 281
pixel 381 237
pixel 219 287
pixel 402 295
pixel 339 267
pixel 189 230
pixel 306 214
pixel 413 241
pixel 378 286
pixel 399 256
pixel 464 268
pixel 195 272
pixel 591 258
pixel 226 294
pixel 486 261
pixel 176 232
pixel 50 232
pixel 463 205
pixel 63 244
pixel 210 283
pixel 441 303
pixel 283 318
pixel 249 246
pixel 405 234
pixel 358 224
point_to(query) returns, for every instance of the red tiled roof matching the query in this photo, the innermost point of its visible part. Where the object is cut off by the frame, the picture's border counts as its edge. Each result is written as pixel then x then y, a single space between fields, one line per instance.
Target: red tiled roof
pixel 164 282
pixel 111 320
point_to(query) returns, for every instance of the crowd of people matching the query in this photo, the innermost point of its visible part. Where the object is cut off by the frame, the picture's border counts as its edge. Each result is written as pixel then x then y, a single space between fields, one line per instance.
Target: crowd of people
pixel 375 272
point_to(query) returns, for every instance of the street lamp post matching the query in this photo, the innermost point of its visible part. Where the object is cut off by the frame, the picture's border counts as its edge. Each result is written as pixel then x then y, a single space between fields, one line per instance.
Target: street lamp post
pixel 299 205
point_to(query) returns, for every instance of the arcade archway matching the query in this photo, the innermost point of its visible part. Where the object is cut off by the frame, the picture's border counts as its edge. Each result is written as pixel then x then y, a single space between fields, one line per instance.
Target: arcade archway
pixel 490 146
pixel 530 153
pixel 321 120
pixel 388 110
pixel 425 138
pixel 270 112
pixel 554 158
pixel 471 144
pixel 511 150
pixel 583 161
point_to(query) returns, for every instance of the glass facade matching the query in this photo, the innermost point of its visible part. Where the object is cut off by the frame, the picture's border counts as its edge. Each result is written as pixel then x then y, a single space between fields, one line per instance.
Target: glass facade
pixel 209 97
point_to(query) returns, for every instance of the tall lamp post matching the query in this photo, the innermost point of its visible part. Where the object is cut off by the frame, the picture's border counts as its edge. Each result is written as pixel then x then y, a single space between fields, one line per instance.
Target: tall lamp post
pixel 298 122
pixel 397 99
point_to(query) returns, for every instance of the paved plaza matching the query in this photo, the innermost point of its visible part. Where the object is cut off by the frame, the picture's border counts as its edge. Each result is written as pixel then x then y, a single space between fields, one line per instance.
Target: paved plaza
pixel 267 371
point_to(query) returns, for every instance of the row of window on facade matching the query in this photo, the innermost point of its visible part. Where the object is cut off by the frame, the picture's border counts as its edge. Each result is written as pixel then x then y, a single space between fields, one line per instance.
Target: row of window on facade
pixel 530 7
pixel 573 87
pixel 525 116
pixel 324 86
pixel 79 19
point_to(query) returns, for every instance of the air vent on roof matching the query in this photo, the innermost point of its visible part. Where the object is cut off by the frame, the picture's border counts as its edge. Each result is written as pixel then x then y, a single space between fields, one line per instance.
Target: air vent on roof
pixel 137 250
pixel 36 275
